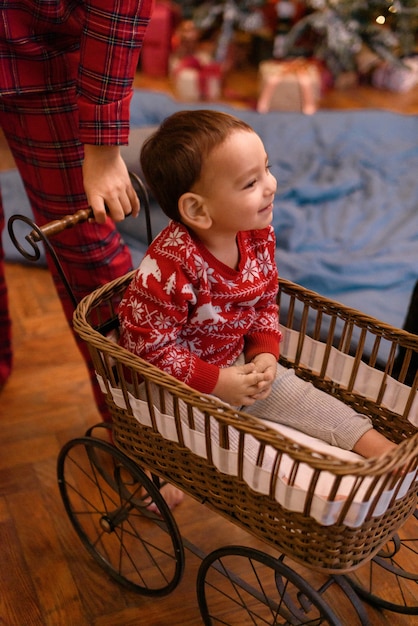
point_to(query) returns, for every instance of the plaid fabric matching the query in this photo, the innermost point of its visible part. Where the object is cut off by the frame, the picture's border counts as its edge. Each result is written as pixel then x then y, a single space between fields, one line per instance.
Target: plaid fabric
pixel 47 44
pixel 42 134
pixel 66 73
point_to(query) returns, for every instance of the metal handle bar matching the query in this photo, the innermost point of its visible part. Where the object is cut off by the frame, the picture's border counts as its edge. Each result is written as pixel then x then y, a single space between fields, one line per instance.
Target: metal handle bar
pixel 57 226
pixel 68 221
pixel 42 234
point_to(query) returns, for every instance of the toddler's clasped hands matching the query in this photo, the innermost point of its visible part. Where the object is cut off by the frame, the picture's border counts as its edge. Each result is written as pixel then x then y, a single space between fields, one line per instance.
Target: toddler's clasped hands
pixel 242 385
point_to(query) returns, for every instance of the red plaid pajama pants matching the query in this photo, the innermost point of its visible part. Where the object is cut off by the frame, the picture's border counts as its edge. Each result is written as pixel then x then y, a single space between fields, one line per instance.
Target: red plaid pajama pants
pixel 42 132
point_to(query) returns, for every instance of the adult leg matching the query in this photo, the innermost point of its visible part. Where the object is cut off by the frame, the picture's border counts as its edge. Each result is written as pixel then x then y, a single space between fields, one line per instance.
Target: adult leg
pixel 5 321
pixel 42 133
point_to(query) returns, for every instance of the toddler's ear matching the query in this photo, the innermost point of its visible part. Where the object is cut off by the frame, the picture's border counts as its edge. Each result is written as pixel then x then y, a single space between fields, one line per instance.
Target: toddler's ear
pixel 193 211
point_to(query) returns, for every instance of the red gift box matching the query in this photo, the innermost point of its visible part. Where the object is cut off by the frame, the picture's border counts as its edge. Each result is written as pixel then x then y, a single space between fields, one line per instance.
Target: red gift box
pixel 197 79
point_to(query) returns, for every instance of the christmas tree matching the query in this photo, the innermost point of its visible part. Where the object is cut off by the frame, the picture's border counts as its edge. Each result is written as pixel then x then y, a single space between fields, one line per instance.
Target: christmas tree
pixel 226 17
pixel 336 31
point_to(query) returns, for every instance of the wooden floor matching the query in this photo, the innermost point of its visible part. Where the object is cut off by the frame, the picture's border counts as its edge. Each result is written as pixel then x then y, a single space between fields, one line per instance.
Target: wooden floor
pixel 47 578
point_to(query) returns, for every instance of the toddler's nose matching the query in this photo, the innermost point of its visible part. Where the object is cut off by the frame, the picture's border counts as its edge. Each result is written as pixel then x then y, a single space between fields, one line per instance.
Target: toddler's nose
pixel 271 184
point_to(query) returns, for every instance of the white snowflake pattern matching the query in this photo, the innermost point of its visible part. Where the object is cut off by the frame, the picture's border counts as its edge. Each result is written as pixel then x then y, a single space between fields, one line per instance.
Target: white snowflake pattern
pixel 161 339
pixel 176 362
pixel 175 238
pixel 161 321
pixel 265 262
pixel 250 272
pixel 270 322
pixel 203 270
pixel 138 309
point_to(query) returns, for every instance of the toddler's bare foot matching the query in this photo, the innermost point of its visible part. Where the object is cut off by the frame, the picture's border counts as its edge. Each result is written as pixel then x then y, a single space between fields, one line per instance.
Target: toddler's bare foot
pixel 372 444
pixel 172 495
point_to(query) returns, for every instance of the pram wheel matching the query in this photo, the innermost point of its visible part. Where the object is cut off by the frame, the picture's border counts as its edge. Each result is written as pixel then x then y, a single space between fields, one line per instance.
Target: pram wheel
pixel 120 516
pixel 386 581
pixel 240 585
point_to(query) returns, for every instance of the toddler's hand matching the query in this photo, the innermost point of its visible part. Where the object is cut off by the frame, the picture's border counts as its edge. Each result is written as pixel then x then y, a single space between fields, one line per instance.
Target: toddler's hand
pixel 240 384
pixel 265 364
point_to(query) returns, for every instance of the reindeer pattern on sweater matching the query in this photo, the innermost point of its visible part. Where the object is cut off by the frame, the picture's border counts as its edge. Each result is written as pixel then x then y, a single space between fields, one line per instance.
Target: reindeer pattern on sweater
pixel 189 314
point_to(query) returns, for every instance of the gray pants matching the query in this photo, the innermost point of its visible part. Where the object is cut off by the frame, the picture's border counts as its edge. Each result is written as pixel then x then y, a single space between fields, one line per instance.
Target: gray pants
pixel 297 403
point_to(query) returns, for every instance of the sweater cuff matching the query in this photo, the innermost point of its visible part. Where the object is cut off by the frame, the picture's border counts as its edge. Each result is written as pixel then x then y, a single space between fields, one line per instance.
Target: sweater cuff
pixel 205 378
pixel 104 124
pixel 259 343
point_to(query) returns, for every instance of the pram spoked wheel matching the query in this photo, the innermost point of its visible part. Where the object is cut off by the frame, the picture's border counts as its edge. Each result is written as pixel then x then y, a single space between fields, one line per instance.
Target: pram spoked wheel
pixel 120 516
pixel 252 587
pixel 387 580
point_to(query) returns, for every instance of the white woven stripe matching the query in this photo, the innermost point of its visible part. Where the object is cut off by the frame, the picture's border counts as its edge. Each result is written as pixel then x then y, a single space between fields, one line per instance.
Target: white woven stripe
pixel 292 497
pixel 368 381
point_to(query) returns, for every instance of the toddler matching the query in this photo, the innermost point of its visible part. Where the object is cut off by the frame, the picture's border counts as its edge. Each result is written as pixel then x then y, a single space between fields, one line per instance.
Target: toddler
pixel 202 305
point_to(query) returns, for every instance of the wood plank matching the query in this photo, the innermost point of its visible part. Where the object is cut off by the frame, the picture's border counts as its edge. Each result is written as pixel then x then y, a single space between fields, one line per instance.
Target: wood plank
pixel 49 572
pixel 18 598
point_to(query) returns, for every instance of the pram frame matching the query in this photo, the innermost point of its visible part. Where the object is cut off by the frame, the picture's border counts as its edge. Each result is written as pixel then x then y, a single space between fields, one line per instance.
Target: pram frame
pixel 111 363
pixel 230 495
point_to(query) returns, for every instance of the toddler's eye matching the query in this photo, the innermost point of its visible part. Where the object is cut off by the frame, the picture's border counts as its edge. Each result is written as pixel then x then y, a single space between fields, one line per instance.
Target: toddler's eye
pixel 268 167
pixel 251 184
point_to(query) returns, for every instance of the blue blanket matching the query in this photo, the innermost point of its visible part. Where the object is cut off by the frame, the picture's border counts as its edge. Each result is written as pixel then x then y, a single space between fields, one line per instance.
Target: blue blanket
pixel 346 211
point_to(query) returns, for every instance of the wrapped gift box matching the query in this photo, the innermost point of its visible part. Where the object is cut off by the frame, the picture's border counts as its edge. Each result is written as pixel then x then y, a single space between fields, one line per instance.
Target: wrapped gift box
pixel 293 85
pixel 197 79
pixel 399 78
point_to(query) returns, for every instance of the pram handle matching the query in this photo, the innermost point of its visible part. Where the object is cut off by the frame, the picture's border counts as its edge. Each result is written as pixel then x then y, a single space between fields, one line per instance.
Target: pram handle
pixel 57 226
pixel 42 234
pixel 68 221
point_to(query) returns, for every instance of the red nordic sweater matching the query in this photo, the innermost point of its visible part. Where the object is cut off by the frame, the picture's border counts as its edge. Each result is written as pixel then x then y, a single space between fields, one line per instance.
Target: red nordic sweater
pixel 190 315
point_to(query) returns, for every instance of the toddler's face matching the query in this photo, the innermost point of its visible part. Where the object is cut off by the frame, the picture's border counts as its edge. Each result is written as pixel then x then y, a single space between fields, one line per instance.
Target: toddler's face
pixel 237 185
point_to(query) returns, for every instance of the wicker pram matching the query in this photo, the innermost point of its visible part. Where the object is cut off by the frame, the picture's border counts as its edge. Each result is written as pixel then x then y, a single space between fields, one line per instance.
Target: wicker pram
pixel 326 343
pixel 324 510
